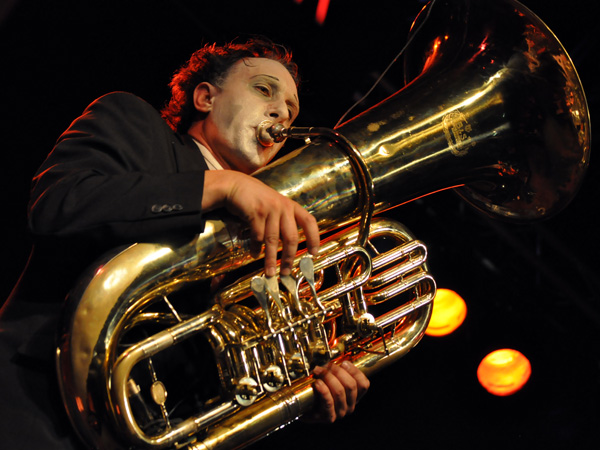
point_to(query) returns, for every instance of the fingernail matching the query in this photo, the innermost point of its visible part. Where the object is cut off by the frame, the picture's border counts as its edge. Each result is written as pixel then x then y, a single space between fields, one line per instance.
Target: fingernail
pixel 270 271
pixel 347 365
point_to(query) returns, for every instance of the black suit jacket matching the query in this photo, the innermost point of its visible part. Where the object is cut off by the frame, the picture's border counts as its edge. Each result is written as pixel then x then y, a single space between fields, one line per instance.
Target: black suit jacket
pixel 118 175
pixel 118 171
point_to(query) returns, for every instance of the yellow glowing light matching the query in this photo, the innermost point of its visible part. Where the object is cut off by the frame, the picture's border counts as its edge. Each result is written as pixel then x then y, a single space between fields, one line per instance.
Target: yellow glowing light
pixel 504 372
pixel 449 312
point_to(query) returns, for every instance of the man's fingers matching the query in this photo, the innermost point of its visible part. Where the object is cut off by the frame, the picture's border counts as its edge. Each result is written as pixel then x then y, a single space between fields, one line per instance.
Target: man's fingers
pixel 326 409
pixel 339 388
pixel 280 225
pixel 350 387
pixel 336 388
pixel 311 230
pixel 362 382
pixel 289 241
pixel 272 217
pixel 271 241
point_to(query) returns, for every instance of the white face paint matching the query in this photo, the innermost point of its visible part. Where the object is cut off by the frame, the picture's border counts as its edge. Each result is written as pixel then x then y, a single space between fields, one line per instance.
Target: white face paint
pixel 254 90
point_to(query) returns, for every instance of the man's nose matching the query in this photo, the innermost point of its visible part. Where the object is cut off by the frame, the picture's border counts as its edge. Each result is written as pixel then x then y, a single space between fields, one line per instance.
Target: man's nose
pixel 279 112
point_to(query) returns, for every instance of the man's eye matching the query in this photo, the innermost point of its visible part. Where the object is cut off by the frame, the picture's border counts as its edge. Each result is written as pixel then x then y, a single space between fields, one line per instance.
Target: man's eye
pixel 265 90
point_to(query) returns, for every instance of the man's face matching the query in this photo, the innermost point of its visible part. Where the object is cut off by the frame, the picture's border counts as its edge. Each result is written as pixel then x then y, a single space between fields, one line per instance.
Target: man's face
pixel 254 90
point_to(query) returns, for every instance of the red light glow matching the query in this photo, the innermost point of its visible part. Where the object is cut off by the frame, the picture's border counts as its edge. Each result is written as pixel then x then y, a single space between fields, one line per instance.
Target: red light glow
pixel 321 13
pixel 449 312
pixel 504 372
pixel 432 56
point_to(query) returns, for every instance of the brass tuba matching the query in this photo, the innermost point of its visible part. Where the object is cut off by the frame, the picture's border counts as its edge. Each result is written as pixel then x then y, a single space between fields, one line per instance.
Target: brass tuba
pixel 496 110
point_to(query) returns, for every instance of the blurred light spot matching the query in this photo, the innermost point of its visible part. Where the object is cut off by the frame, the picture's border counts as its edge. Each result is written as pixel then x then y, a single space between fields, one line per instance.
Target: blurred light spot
pixel 504 372
pixel 321 13
pixel 449 312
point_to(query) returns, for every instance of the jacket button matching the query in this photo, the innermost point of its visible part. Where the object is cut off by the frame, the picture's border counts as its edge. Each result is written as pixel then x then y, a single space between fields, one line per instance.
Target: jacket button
pixel 166 208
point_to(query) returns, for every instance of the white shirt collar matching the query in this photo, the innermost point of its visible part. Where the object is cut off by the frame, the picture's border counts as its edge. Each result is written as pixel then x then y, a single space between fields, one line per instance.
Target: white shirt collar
pixel 211 161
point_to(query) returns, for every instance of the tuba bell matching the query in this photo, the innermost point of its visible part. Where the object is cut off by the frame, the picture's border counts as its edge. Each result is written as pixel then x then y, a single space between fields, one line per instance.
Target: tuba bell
pixel 493 108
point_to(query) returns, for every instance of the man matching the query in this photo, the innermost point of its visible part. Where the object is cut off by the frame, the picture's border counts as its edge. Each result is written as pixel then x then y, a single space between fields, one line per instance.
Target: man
pixel 118 175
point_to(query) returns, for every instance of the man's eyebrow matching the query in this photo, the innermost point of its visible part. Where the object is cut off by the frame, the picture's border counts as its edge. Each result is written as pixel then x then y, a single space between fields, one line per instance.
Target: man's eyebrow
pixel 265 75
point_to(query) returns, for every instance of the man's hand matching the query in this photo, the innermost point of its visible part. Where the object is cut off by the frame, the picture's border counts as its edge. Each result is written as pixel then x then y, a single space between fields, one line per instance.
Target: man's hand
pixel 338 389
pixel 271 216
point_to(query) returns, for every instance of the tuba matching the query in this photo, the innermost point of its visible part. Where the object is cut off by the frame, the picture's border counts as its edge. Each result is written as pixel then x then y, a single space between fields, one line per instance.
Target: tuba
pixel 493 108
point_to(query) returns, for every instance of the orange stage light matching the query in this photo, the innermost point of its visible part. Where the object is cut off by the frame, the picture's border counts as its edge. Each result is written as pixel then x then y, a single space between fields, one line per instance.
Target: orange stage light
pixel 449 312
pixel 504 372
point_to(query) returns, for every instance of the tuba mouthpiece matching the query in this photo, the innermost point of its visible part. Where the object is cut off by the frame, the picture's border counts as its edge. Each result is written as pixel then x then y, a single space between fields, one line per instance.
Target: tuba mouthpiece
pixel 268 133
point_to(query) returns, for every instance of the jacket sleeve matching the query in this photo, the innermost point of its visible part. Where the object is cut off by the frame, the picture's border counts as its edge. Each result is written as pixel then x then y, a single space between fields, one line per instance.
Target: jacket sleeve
pixel 119 172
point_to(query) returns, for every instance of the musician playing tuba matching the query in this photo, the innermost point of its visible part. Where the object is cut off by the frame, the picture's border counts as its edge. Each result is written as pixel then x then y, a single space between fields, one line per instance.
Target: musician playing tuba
pixel 120 174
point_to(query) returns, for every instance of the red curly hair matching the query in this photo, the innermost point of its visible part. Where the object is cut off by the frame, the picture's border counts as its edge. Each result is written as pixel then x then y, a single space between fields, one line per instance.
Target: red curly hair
pixel 211 64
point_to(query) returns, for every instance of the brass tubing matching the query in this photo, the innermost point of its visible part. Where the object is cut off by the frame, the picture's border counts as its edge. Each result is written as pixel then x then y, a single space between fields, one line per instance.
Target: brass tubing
pixel 143 350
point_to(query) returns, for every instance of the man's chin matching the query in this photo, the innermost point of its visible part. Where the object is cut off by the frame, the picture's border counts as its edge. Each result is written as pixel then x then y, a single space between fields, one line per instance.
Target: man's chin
pixel 248 167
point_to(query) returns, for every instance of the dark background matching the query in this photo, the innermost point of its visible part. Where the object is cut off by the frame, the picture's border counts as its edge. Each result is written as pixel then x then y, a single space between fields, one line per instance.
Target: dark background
pixel 530 287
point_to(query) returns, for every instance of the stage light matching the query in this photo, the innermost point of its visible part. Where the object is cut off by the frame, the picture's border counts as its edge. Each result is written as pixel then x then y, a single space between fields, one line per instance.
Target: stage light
pixel 504 372
pixel 449 312
pixel 321 12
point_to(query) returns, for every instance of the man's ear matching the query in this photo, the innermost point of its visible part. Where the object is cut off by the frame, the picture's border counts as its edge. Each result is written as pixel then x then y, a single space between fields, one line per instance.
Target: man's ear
pixel 204 95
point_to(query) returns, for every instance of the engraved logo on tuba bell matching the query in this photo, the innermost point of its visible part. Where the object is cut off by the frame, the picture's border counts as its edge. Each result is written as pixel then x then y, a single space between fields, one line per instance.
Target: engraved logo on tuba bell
pixel 457 130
